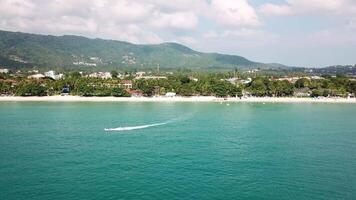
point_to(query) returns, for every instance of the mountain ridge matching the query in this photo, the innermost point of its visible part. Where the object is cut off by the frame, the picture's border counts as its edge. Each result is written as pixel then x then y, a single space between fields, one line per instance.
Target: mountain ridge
pixel 22 50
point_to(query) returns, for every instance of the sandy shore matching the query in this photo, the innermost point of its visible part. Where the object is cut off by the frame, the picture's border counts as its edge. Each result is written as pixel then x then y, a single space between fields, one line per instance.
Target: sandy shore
pixel 174 99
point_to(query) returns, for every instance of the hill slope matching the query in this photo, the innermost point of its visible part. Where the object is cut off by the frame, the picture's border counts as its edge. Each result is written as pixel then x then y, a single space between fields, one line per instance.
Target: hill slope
pixel 26 50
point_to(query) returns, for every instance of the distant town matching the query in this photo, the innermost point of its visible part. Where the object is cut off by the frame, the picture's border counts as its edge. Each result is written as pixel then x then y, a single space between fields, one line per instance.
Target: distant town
pixel 233 84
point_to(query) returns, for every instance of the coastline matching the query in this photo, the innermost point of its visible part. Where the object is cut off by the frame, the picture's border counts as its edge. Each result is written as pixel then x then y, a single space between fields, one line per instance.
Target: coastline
pixel 176 99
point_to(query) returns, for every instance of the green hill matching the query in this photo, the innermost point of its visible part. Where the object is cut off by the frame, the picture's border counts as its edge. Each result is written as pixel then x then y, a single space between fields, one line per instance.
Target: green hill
pixel 18 50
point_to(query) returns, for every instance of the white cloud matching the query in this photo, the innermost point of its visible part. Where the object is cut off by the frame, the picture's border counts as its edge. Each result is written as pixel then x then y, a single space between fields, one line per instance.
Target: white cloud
pixel 243 33
pixel 178 20
pixel 133 21
pixel 211 34
pixel 330 38
pixel 273 9
pixel 351 24
pixel 234 13
pixel 187 40
pixel 313 7
pixel 181 5
pixel 15 8
pixel 125 11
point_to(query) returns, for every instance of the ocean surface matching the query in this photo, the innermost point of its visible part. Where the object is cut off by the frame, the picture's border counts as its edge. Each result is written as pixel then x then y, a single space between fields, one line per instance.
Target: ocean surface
pixel 177 151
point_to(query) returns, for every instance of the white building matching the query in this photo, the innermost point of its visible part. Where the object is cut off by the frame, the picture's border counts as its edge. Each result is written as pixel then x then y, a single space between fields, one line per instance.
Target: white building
pixel 193 79
pixel 4 71
pixel 289 79
pixel 151 77
pixel 52 74
pixel 127 84
pixel 316 77
pixel 59 76
pixel 170 94
pixel 106 75
pixel 36 76
pixel 35 71
pixel 84 63
pixel 232 80
pixel 246 81
pixel 140 74
pixel 102 75
pixel 93 75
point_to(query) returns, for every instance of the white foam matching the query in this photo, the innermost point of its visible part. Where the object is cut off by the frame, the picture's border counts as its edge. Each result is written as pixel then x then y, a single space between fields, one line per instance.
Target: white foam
pixel 129 128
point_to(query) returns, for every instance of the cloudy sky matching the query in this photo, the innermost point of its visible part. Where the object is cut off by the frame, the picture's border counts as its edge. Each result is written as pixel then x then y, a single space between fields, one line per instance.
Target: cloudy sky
pixel 311 33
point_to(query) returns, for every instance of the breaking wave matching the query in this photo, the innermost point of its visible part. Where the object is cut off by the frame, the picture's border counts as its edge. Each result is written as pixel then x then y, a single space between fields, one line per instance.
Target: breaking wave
pixel 129 128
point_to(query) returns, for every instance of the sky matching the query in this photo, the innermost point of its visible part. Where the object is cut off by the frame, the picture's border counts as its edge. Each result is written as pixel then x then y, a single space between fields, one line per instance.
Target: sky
pixel 305 33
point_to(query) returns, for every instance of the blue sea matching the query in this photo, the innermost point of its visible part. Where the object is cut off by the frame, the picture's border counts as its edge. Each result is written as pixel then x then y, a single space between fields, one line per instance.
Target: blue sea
pixel 177 151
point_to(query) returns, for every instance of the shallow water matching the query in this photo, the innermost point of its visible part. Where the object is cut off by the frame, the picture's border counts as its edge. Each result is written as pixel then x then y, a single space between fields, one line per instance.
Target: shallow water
pixel 204 151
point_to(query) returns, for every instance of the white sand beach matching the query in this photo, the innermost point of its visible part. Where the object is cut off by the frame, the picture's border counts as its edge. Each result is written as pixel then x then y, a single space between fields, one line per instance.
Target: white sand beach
pixel 175 99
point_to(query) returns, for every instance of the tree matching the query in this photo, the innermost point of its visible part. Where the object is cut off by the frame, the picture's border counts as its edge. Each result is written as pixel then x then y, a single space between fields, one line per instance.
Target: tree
pixel 184 79
pixel 224 89
pixel 220 89
pixel 239 92
pixel 75 75
pixel 146 86
pixel 114 74
pixel 186 90
pixel 258 87
pixel 31 89
pixel 302 83
pixel 352 87
pixel 284 88
pixel 5 88
pixel 316 93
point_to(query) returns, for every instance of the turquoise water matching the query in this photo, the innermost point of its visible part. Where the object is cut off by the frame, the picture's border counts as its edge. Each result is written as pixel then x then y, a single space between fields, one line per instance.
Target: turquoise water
pixel 197 151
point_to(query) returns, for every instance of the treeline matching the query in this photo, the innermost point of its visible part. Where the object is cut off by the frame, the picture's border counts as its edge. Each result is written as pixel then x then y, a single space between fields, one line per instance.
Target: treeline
pixel 339 86
pixel 262 86
pixel 181 84
pixel 206 85
pixel 76 84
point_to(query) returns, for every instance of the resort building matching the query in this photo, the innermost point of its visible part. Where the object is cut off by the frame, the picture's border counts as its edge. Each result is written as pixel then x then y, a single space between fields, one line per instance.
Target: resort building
pixel 237 81
pixel 151 77
pixel 102 75
pixel 289 79
pixel 35 71
pixel 126 84
pixel 253 71
pixel 136 93
pixel 193 79
pixel 4 71
pixel 36 76
pixel 232 80
pixel 246 81
pixel 302 92
pixel 170 94
pixel 52 74
pixel 139 74
pixel 316 77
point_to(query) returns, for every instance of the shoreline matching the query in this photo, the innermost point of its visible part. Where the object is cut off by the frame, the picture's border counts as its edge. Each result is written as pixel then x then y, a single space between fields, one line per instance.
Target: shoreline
pixel 176 99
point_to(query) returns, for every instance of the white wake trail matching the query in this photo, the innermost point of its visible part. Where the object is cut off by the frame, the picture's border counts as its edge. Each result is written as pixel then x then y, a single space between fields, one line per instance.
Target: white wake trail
pixel 129 128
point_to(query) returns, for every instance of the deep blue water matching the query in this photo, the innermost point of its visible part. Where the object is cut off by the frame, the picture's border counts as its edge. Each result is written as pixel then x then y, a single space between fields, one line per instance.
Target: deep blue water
pixel 204 151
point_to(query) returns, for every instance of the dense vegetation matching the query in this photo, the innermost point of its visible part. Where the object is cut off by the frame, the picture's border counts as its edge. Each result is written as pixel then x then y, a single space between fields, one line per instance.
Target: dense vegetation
pixel 27 50
pixel 205 84
pixel 339 86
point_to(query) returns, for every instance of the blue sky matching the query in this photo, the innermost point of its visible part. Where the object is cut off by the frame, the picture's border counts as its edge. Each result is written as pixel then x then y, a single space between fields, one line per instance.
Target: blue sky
pixel 309 33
